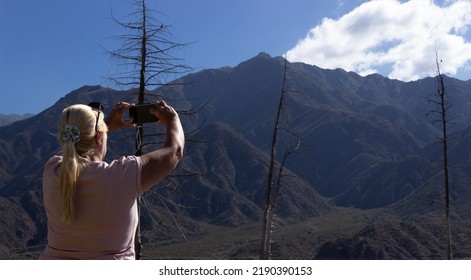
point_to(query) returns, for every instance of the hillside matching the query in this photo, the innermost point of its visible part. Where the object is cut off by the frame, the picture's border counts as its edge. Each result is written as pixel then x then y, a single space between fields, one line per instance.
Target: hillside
pixel 367 178
pixel 11 118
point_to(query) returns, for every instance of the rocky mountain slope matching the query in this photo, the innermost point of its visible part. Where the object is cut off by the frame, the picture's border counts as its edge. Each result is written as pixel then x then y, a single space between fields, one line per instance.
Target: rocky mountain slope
pixel 366 181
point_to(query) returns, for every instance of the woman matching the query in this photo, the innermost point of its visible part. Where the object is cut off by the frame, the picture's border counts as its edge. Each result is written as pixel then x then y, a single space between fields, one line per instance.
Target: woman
pixel 90 204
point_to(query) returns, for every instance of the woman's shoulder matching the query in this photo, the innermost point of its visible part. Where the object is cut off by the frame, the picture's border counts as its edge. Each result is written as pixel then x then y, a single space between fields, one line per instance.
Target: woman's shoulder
pixel 55 159
pixel 125 171
pixel 121 163
pixel 52 165
pixel 124 160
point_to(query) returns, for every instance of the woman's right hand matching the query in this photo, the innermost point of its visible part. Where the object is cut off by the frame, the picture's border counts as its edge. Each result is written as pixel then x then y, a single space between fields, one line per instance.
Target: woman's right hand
pixel 164 112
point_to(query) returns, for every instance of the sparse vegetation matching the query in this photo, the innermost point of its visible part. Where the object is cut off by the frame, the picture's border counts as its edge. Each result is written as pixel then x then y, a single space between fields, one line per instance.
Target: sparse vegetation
pixel 368 198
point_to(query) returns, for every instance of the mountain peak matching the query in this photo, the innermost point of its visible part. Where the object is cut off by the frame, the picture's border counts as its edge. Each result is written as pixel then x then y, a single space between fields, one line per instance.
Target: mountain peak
pixel 365 144
pixel 263 55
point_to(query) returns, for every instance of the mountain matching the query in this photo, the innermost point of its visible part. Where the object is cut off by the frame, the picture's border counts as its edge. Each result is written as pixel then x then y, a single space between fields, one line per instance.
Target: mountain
pixel 348 123
pixel 10 118
pixel 365 182
pixel 379 241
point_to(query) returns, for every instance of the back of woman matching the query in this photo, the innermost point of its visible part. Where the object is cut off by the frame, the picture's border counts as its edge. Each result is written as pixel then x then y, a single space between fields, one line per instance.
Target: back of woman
pixel 91 205
pixel 105 217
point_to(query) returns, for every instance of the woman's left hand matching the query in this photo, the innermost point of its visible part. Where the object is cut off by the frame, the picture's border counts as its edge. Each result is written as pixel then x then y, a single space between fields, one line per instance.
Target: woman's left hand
pixel 116 120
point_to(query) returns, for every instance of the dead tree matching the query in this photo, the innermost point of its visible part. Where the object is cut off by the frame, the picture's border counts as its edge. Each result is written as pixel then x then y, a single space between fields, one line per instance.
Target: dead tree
pixel 147 61
pixel 442 108
pixel 275 174
pixel 145 57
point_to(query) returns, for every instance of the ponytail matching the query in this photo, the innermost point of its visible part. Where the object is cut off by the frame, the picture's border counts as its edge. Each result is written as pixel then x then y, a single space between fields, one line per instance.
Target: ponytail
pixel 77 133
pixel 71 168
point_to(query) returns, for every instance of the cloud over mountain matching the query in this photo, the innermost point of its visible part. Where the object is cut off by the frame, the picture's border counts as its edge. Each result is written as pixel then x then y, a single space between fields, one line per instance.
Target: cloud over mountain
pixel 395 38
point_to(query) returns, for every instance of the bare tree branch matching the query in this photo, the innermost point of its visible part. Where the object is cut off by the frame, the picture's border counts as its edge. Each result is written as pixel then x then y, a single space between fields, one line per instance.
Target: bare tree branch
pixel 442 108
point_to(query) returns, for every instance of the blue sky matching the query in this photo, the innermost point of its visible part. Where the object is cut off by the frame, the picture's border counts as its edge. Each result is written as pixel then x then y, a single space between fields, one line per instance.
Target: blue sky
pixel 49 48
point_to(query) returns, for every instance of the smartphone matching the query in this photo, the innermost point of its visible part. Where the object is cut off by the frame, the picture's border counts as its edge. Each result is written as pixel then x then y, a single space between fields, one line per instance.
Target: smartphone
pixel 141 114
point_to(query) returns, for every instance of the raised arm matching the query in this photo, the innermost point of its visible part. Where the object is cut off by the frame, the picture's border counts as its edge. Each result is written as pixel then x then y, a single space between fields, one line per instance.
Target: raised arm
pixel 159 163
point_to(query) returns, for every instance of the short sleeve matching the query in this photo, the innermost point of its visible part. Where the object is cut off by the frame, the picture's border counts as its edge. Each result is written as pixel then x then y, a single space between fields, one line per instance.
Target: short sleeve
pixel 128 171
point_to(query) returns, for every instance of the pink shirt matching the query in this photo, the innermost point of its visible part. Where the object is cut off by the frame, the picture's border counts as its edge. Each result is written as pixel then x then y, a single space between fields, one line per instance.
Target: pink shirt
pixel 105 211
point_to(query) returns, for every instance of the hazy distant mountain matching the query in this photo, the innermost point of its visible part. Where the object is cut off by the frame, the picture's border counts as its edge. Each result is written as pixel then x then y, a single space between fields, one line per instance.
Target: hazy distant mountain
pixel 368 168
pixel 10 118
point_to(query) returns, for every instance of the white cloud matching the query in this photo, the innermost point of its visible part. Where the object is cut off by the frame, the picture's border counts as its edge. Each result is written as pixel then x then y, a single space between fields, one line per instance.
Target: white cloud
pixel 394 38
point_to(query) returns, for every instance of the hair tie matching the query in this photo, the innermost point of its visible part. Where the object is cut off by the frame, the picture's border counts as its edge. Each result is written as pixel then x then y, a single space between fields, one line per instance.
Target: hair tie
pixel 70 133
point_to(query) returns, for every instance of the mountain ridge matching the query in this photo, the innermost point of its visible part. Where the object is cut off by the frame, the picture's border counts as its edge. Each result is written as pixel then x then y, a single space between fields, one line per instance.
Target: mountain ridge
pixel 6 119
pixel 368 154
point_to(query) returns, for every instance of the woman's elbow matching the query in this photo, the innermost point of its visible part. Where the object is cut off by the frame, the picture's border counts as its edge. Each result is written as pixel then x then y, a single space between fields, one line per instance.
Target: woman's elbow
pixel 177 155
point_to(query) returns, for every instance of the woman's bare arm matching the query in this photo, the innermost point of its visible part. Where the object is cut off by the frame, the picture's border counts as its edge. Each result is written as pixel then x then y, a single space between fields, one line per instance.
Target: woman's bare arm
pixel 158 164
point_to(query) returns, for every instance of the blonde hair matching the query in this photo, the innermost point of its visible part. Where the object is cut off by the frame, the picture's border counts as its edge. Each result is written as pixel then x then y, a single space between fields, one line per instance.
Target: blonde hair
pixel 75 154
